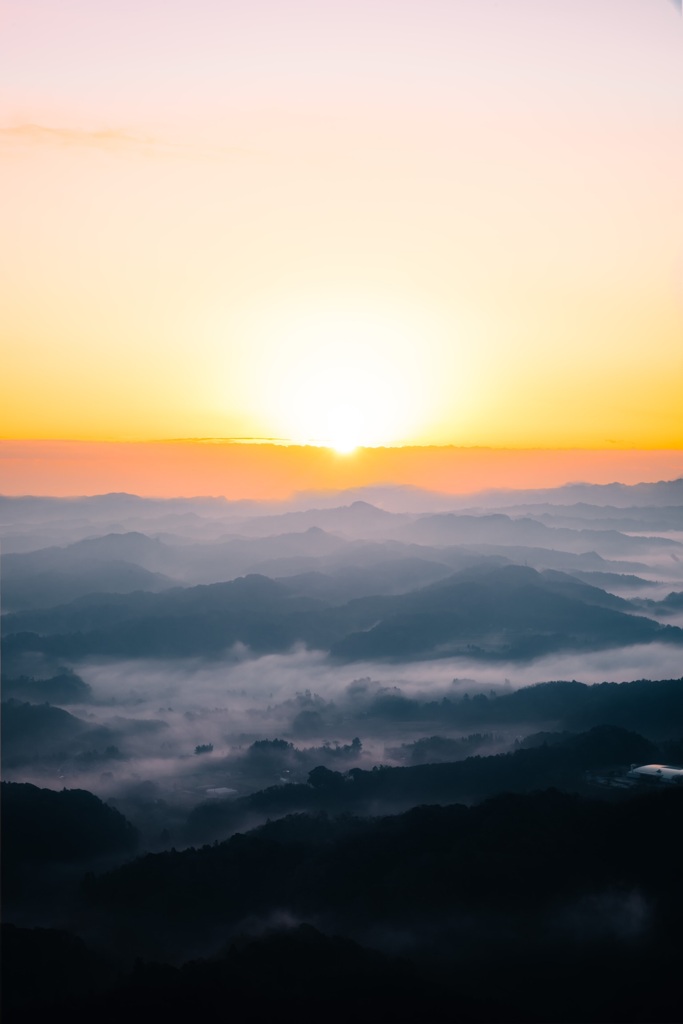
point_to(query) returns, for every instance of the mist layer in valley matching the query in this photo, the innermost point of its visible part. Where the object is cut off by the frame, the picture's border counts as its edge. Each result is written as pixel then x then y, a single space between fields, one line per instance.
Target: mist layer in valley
pixel 172 640
pixel 184 672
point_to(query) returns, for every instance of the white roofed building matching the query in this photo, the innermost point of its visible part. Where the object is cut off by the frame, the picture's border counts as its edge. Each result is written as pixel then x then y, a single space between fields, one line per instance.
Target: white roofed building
pixel 656 773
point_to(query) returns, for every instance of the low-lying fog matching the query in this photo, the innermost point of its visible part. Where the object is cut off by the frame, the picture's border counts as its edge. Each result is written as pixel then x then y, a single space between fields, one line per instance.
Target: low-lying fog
pixel 170 734
pixel 160 736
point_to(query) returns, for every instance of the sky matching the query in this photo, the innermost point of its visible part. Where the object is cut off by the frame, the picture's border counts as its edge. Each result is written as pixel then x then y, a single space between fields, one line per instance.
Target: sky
pixel 343 222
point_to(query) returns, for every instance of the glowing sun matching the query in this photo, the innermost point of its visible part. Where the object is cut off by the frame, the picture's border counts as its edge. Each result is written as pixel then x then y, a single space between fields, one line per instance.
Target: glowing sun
pixel 345 429
pixel 342 379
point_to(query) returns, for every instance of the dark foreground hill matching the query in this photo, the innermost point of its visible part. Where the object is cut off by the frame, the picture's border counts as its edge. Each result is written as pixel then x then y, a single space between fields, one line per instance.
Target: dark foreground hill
pixel 49 839
pixel 544 907
pixel 295 972
pixel 527 907
pixel 528 850
pixel 41 826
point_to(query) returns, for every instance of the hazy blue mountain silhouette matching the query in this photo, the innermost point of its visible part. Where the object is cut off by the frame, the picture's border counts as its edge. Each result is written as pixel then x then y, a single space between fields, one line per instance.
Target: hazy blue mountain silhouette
pixel 34 731
pixel 452 528
pixel 512 612
pixel 63 688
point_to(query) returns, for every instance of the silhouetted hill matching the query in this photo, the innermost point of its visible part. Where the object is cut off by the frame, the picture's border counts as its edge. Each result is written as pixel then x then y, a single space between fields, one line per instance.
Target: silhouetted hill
pixel 658 494
pixel 48 577
pixel 514 854
pixel 64 688
pixel 123 562
pixel 607 580
pixel 654 707
pixel 561 764
pixel 637 519
pixel 42 967
pixel 396 576
pixel 508 612
pixel 39 734
pixel 203 620
pixel 41 826
pixel 511 612
pixel 539 908
pixel 452 528
pixel 30 730
pixel 305 970
pixel 672 604
pixel 359 519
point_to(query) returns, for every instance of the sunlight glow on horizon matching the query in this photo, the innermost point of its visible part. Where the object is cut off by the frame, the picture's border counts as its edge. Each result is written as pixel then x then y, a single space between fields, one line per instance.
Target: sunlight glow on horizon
pixel 338 376
pixel 347 224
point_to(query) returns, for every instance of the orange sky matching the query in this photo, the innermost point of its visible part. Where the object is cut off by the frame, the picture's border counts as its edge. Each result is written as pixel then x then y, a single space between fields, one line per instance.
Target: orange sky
pixel 444 239
pixel 349 222
pixel 276 472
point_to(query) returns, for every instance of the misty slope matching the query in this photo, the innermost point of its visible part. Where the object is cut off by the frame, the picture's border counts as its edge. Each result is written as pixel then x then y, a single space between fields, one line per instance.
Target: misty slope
pixel 658 494
pixel 636 519
pixel 204 620
pixel 611 580
pixel 31 732
pixel 125 562
pixel 522 852
pixel 547 558
pixel 653 706
pixel 63 688
pixel 672 604
pixel 508 612
pixel 29 523
pixel 360 519
pixel 561 764
pixel 123 506
pixel 116 563
pixel 390 576
pixel 452 528
pixel 194 541
pixel 512 612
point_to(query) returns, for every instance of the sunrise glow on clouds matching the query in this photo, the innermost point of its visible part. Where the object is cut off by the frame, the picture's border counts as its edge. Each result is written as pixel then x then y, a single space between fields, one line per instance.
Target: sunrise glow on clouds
pixel 343 223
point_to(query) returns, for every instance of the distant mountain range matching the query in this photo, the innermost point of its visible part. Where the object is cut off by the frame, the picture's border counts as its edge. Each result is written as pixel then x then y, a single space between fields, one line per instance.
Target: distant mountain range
pixel 197 576
pixel 483 612
pixel 321 540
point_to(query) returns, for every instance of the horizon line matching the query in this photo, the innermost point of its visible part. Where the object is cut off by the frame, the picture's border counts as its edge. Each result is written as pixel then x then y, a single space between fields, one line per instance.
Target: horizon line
pixel 287 443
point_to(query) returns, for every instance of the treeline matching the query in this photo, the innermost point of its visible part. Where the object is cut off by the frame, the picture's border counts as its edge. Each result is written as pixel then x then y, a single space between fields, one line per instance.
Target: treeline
pixel 540 902
pixel 64 688
pixel 654 707
pixel 295 974
pixel 561 764
pixel 513 851
pixel 43 826
pixel 542 906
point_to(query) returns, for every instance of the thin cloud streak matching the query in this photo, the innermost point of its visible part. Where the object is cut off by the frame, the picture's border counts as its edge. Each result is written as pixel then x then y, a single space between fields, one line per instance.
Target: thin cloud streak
pixel 111 140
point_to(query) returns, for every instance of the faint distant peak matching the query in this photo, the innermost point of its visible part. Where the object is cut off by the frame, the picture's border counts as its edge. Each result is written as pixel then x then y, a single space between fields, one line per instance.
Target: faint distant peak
pixel 364 506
